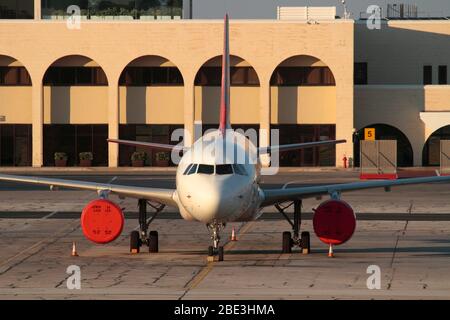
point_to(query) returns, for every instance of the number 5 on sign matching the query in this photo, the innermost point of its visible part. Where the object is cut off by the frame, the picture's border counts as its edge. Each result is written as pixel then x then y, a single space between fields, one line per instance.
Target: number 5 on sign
pixel 369 134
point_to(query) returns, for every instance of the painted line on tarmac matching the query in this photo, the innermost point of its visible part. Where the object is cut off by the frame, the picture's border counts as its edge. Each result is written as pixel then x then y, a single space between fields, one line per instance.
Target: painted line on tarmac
pixel 231 244
pixel 199 277
pixel 112 180
pixel 56 212
pixel 49 215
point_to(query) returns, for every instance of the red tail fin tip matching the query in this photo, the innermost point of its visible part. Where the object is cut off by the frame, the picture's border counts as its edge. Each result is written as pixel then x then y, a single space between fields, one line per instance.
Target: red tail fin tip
pixel 225 92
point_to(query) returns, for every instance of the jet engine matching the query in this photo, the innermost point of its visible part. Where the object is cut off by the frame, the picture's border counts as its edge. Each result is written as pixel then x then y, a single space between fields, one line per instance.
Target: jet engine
pixel 102 221
pixel 334 222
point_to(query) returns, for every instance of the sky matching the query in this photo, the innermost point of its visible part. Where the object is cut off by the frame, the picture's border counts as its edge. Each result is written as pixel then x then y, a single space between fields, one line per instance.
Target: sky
pixel 266 9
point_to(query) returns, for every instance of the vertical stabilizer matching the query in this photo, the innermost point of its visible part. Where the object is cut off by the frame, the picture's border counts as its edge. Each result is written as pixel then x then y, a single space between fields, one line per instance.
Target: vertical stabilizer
pixel 225 92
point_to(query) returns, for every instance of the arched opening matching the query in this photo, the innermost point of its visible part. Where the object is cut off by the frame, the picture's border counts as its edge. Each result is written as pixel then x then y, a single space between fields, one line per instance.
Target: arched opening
pixel 431 150
pixel 151 99
pixel 75 86
pixel 303 109
pixel 244 94
pixel 15 113
pixel 405 155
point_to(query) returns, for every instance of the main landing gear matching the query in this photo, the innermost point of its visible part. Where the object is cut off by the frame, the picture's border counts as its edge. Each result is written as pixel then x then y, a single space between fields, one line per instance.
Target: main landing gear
pixel 214 229
pixel 138 238
pixel 295 239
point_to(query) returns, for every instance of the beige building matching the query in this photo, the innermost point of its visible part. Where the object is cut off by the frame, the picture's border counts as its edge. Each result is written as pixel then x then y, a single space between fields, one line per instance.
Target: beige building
pixel 407 85
pixel 67 90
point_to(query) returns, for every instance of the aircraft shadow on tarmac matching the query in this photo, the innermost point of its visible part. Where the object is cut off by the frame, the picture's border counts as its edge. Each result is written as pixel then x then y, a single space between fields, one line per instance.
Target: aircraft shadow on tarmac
pixel 234 252
pixel 438 240
pixel 444 251
pixel 255 251
pixel 430 250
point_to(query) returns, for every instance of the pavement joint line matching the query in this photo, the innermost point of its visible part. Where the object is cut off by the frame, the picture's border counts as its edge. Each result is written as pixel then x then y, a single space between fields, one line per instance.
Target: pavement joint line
pixel 411 204
pixel 299 293
pixel 37 244
pixel 394 253
pixel 285 256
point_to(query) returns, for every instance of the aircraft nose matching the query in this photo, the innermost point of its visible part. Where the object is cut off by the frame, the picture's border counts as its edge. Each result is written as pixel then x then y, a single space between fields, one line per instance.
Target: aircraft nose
pixel 215 200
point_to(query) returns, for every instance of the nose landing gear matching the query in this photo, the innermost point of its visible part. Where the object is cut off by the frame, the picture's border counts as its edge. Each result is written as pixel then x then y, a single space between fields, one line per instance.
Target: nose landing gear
pixel 214 229
pixel 137 238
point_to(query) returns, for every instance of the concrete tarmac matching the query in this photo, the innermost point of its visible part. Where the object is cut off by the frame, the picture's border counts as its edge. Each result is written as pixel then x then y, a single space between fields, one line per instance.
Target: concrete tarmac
pixel 406 233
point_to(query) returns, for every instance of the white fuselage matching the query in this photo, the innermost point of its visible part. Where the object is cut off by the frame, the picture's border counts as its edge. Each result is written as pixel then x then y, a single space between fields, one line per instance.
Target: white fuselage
pixel 207 192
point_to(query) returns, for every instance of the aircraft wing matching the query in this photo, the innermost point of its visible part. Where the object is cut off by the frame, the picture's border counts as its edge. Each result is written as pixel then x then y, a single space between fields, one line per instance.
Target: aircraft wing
pixel 295 146
pixel 273 196
pixel 150 145
pixel 163 196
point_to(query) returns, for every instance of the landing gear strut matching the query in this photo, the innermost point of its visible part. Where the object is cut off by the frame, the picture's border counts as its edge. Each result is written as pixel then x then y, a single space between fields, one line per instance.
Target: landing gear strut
pixel 137 238
pixel 214 229
pixel 295 239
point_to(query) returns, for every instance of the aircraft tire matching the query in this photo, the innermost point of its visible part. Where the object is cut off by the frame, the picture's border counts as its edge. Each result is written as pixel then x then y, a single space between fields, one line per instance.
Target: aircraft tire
pixel 153 245
pixel 305 242
pixel 287 242
pixel 134 241
pixel 220 254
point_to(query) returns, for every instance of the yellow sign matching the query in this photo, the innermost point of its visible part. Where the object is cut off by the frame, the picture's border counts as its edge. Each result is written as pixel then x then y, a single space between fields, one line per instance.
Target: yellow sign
pixel 369 134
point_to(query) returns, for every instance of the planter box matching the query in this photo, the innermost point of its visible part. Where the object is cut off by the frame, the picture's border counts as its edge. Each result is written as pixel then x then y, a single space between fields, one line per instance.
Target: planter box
pixel 60 163
pixel 164 18
pixel 147 18
pixel 108 18
pixel 162 163
pixel 85 163
pixel 125 18
pixel 137 163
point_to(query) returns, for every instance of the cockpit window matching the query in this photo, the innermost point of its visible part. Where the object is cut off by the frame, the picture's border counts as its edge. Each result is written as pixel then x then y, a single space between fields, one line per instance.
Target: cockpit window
pixel 192 169
pixel 220 169
pixel 187 169
pixel 205 169
pixel 224 169
pixel 239 169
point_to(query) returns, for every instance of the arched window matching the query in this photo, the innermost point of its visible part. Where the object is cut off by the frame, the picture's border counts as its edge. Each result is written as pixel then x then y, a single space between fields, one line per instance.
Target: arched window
pixel 14 76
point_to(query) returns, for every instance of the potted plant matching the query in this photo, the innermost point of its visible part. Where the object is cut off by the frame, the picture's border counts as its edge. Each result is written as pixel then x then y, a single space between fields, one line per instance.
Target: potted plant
pixel 162 159
pixel 86 159
pixel 60 159
pixel 138 159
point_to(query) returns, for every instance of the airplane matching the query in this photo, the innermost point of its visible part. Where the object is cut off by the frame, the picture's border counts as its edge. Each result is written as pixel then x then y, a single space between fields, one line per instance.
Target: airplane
pixel 215 188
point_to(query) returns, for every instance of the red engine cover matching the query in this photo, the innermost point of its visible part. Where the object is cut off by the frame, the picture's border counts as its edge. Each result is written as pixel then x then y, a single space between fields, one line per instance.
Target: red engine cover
pixel 102 221
pixel 334 222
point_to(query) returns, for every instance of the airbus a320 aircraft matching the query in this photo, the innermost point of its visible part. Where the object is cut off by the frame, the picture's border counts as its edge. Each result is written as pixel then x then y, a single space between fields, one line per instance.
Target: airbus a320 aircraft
pixel 216 183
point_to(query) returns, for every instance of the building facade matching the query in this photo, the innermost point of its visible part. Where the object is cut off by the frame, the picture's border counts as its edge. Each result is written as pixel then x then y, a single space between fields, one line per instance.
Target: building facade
pixel 67 90
pixel 403 85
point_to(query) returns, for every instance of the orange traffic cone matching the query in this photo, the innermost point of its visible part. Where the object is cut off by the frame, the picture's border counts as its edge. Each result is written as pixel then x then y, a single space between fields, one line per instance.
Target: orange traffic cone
pixel 233 235
pixel 74 250
pixel 330 251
